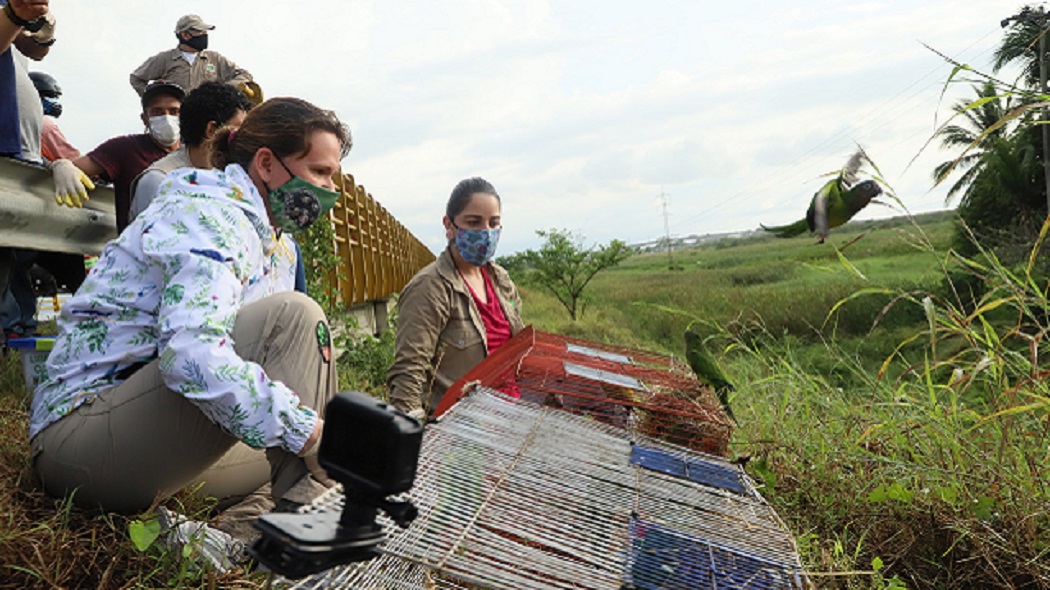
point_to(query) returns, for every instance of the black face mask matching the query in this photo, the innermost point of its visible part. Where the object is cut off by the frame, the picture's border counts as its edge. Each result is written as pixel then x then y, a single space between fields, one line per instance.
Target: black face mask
pixel 200 42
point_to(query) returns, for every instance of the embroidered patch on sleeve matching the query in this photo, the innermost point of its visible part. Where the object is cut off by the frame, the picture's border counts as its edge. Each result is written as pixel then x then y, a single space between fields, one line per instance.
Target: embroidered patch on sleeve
pixel 324 341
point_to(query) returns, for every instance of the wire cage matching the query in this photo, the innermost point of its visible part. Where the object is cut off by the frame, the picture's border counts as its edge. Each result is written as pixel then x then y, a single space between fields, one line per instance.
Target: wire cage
pixel 646 393
pixel 513 494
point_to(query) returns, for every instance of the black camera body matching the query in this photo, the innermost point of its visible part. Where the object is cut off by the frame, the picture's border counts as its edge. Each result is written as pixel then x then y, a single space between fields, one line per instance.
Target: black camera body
pixel 370 448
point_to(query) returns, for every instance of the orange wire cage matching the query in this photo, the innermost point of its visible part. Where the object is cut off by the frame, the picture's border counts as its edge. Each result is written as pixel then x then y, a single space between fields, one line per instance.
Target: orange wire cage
pixel 648 393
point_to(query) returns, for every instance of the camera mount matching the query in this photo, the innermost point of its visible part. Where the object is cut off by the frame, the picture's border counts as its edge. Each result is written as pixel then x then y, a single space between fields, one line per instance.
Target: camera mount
pixel 370 448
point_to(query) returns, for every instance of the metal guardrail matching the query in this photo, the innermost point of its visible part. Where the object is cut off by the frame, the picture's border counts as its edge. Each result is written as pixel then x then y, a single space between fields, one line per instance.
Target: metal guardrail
pixel 30 218
pixel 377 255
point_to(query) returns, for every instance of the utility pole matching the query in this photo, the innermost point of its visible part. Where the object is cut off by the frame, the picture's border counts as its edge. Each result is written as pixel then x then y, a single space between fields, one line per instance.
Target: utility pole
pixel 1038 17
pixel 667 231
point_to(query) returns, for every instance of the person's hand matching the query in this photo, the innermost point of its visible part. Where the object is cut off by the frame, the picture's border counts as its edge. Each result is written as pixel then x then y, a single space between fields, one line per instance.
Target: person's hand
pixel 318 472
pixel 29 9
pixel 71 184
pixel 312 446
pixel 310 452
pixel 46 34
pixel 252 90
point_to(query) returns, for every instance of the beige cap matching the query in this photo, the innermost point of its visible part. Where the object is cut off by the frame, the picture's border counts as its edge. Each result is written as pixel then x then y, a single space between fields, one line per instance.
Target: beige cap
pixel 192 22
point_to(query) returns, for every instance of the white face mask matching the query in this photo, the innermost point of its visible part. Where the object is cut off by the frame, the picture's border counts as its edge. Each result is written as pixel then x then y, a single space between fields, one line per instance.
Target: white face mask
pixel 164 129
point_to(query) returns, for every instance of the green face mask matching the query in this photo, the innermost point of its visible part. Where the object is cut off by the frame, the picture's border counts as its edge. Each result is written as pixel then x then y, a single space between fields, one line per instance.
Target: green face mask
pixel 297 204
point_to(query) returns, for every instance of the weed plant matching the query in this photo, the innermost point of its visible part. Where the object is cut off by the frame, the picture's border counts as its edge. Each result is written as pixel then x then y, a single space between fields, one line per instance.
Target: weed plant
pixel 365 358
pixel 893 405
pixel 50 543
pixel 891 402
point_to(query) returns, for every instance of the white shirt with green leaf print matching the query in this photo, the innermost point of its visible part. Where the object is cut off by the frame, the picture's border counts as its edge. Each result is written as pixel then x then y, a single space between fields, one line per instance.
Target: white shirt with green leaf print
pixel 171 286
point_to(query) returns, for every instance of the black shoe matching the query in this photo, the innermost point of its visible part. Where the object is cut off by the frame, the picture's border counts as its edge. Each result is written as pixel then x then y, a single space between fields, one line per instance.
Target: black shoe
pixel 288 506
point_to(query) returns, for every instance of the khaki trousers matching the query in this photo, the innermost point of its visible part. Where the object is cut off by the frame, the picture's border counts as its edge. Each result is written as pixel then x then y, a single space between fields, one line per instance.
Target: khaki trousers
pixel 140 441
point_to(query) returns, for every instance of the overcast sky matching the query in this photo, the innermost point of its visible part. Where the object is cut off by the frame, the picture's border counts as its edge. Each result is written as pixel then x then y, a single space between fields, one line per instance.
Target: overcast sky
pixel 580 112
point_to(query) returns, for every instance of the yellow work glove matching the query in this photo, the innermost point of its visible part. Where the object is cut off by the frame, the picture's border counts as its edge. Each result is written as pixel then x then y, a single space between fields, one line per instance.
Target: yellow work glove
pixel 252 90
pixel 71 184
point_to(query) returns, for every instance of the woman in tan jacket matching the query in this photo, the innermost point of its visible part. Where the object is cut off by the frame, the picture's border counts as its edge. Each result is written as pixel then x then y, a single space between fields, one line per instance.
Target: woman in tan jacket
pixel 458 309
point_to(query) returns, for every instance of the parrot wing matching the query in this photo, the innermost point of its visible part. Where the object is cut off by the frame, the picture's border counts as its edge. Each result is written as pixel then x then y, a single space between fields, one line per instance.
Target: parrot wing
pixel 821 208
pixel 849 172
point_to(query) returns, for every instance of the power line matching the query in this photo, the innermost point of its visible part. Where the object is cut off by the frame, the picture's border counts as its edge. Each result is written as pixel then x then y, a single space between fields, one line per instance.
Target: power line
pixel 778 178
pixel 667 231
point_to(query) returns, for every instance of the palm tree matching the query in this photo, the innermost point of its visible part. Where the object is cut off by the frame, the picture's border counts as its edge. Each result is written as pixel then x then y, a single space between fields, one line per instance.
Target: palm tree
pixel 1005 201
pixel 1021 44
pixel 970 134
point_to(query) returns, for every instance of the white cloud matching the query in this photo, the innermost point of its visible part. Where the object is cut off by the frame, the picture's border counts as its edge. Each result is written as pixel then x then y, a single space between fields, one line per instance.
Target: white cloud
pixel 579 112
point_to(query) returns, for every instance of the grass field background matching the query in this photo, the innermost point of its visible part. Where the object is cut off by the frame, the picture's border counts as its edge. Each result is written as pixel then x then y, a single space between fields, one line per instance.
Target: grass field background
pixel 898 426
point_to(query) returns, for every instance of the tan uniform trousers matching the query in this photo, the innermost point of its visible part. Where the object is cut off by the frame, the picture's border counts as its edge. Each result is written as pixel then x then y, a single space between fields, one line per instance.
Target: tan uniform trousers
pixel 141 441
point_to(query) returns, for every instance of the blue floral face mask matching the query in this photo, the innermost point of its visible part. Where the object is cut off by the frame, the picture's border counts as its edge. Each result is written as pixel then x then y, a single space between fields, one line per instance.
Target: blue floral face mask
pixel 477 246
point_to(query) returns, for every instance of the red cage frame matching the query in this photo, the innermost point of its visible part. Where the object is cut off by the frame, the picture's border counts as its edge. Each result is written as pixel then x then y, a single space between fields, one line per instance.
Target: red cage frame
pixel 649 393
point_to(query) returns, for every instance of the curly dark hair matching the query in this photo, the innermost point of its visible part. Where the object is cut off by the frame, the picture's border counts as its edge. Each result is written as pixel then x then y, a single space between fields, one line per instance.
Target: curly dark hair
pixel 211 101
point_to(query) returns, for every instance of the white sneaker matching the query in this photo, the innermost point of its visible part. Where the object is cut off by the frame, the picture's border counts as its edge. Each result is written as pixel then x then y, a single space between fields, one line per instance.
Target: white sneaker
pixel 207 545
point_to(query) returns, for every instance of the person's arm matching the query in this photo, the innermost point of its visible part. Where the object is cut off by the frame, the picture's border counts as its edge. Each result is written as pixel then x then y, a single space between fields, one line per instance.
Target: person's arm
pixel 24 11
pixel 73 177
pixel 91 168
pixel 54 144
pixel 144 190
pixel 205 264
pixel 515 296
pixel 300 269
pixel 515 300
pixel 229 72
pixel 9 31
pixel 423 312
pixel 151 69
pixel 30 48
pixel 36 45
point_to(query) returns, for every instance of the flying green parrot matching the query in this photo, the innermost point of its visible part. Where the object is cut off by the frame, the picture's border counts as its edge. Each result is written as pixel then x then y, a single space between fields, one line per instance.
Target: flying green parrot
pixel 707 371
pixel 835 203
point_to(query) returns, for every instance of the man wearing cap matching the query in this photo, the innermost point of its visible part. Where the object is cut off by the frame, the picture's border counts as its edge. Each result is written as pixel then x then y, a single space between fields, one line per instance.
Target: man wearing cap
pixel 120 159
pixel 190 64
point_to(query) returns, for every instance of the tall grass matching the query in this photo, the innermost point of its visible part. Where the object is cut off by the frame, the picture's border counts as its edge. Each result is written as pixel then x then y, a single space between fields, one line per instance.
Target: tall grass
pixel 49 543
pixel 900 426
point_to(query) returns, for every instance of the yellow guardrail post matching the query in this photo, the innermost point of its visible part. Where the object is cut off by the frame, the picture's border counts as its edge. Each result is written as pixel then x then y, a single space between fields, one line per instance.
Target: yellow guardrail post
pixel 377 254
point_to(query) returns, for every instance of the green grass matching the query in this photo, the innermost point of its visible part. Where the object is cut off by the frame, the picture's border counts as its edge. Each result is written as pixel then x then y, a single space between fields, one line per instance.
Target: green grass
pixel 49 543
pixel 899 454
pixel 787 287
pixel 904 445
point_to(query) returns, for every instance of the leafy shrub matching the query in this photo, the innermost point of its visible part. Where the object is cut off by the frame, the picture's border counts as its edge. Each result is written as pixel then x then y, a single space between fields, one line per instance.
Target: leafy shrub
pixel 363 364
pixel 318 248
